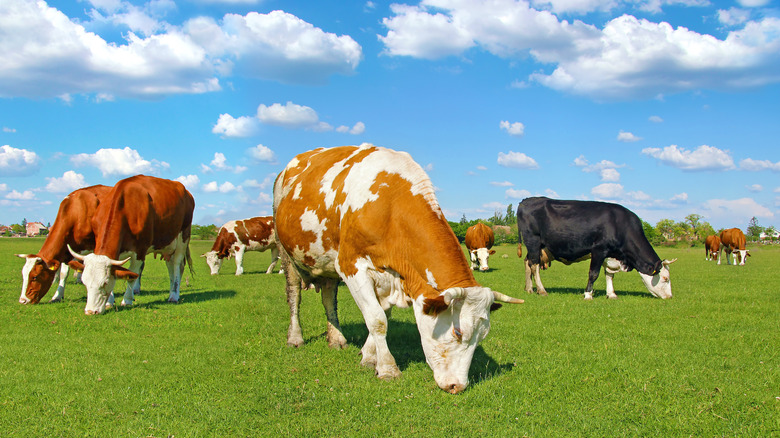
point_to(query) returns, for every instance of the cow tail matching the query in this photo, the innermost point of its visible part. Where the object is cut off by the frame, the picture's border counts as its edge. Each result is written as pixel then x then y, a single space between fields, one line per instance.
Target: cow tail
pixel 519 244
pixel 188 259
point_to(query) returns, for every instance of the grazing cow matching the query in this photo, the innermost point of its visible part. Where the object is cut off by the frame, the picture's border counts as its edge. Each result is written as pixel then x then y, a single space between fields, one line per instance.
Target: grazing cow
pixel 572 231
pixel 733 242
pixel 479 240
pixel 712 248
pixel 237 237
pixel 72 226
pixel 368 216
pixel 140 214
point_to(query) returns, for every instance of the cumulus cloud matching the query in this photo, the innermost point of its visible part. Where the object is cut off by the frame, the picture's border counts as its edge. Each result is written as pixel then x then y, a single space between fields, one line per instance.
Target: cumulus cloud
pixel 17 162
pixel 605 168
pixel 733 16
pixel 517 194
pixel 220 163
pixel 26 195
pixel 703 158
pixel 516 159
pixel 627 137
pixel 54 55
pixel 69 182
pixel 501 184
pixel 755 188
pixel 735 211
pixel 516 129
pixel 119 162
pixel 655 119
pixel 358 129
pixel 262 153
pixel 294 116
pixel 608 191
pixel 610 175
pixel 190 181
pixel 752 165
pixel 228 126
pixel 627 58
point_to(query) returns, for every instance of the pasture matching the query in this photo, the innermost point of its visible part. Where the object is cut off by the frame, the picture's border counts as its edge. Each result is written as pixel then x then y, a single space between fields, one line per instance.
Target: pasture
pixel 704 363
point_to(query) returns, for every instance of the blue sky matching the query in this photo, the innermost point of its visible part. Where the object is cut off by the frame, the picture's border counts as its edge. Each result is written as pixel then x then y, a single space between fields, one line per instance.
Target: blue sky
pixel 669 107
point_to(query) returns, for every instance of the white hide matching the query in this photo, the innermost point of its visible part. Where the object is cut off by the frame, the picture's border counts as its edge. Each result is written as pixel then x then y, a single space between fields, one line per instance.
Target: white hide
pixel 479 259
pixel 214 262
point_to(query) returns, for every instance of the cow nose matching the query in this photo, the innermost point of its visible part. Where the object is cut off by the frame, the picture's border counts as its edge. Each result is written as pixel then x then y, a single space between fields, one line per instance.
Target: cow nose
pixel 89 312
pixel 23 300
pixel 455 388
pixel 484 268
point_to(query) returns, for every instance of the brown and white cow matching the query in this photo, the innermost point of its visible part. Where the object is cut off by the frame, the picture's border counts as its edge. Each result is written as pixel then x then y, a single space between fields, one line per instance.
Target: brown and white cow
pixel 237 237
pixel 712 248
pixel 141 214
pixel 368 216
pixel 733 242
pixel 479 240
pixel 72 226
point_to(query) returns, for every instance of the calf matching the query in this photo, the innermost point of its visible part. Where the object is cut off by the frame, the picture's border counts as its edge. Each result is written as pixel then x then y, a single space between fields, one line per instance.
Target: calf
pixel 712 248
pixel 572 231
pixel 237 237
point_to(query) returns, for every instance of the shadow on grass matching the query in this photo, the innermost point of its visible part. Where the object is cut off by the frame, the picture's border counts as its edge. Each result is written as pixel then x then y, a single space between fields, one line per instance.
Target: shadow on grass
pixel 184 298
pixel 596 293
pixel 403 339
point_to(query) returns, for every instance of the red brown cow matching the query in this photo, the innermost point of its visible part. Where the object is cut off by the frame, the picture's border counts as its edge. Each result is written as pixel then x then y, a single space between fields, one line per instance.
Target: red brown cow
pixel 141 214
pixel 733 242
pixel 237 237
pixel 72 226
pixel 712 248
pixel 368 216
pixel 479 240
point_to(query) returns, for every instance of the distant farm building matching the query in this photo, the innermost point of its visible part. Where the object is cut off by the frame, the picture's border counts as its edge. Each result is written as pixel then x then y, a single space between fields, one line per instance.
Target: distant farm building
pixel 34 228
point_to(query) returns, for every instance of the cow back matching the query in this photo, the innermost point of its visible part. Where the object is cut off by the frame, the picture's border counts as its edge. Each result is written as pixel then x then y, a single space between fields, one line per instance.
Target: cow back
pixel 733 238
pixel 479 235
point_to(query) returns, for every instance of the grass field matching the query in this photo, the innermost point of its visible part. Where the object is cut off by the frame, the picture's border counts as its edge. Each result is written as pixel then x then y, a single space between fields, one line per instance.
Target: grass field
pixel 704 363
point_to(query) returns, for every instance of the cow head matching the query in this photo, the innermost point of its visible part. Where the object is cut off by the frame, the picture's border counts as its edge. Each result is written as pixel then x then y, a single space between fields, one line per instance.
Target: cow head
pixel 659 284
pixel 740 255
pixel 214 261
pixel 481 255
pixel 37 277
pixel 99 276
pixel 451 326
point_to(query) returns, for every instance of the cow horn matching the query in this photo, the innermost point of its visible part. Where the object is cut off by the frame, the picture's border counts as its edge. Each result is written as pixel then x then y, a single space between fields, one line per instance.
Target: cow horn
pixel 453 294
pixel 24 256
pixel 120 262
pixel 498 296
pixel 75 255
pixel 669 262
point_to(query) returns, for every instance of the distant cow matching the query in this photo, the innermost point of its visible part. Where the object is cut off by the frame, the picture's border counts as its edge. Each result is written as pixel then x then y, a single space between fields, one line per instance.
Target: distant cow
pixel 733 242
pixel 141 214
pixel 712 248
pixel 479 240
pixel 572 231
pixel 368 216
pixel 237 237
pixel 72 226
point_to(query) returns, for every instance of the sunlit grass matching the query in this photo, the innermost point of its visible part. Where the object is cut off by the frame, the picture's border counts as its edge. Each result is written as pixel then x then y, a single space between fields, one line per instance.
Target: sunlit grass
pixel 703 363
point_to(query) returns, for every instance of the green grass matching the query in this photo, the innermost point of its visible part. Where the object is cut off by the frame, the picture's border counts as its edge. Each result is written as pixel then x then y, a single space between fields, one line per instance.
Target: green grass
pixel 704 363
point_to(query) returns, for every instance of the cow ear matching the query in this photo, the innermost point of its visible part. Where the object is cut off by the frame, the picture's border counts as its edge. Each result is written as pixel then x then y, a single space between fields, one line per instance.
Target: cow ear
pixel 495 306
pixel 124 273
pixel 53 265
pixel 77 265
pixel 434 306
pixel 492 251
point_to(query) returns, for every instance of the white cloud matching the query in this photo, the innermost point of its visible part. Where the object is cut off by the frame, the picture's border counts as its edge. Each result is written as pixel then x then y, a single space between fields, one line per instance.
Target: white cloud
pixel 14 195
pixel 516 129
pixel 655 119
pixel 755 188
pixel 229 126
pixel 53 55
pixel 680 198
pixel 119 162
pixel 4 187
pixel 733 16
pixel 703 158
pixel 262 153
pixel 220 163
pixel 627 137
pixel 69 182
pixel 501 184
pixel 753 3
pixel 627 58
pixel 516 159
pixel 293 116
pixel 210 187
pixel 190 181
pixel 517 194
pixel 17 162
pixel 8 130
pixel 600 167
pixel 357 129
pixel 493 206
pixel 610 191
pixel 752 165
pixel 610 175
pixel 483 168
pixel 228 187
pixel 734 211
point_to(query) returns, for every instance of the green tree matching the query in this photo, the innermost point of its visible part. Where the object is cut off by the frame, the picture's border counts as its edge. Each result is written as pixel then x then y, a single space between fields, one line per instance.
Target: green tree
pixel 206 232
pixel 694 221
pixel 665 228
pixel 651 233
pixel 754 229
pixel 510 215
pixel 18 229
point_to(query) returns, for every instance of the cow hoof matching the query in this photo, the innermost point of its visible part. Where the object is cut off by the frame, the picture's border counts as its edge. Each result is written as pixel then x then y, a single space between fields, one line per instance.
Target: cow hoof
pixel 612 297
pixel 174 301
pixel 390 373
pixel 56 300
pixel 295 342
pixel 542 293
pixel 339 343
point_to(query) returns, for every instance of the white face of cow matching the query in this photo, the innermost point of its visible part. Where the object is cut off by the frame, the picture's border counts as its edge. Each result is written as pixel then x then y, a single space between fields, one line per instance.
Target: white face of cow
pixel 660 284
pixel 28 265
pixel 740 255
pixel 213 261
pixel 481 255
pixel 450 338
pixel 99 281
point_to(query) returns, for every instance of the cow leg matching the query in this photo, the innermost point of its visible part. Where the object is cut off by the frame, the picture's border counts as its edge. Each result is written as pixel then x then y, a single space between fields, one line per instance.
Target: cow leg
pixel 62 275
pixel 329 291
pixel 375 351
pixel 274 259
pixel 135 266
pixel 175 266
pixel 593 274
pixel 293 288
pixel 240 259
pixel 473 260
pixel 538 279
pixel 529 271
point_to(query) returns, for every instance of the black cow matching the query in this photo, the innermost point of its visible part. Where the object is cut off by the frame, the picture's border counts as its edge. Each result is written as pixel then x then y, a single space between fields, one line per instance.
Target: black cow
pixel 607 234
